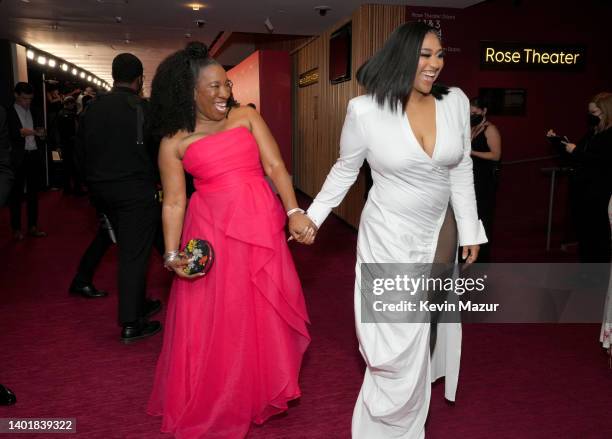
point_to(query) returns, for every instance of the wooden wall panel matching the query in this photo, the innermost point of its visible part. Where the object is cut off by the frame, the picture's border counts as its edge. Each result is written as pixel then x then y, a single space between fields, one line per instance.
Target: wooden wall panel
pixel 319 109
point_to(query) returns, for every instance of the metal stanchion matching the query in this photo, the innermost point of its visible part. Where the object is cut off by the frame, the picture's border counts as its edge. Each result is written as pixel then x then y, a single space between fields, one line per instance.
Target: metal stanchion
pixel 46 130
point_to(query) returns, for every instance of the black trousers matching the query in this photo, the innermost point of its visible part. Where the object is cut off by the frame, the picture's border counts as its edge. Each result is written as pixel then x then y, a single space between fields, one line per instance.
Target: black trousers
pixel 97 249
pixel 93 256
pixel 28 178
pixel 72 180
pixel 135 214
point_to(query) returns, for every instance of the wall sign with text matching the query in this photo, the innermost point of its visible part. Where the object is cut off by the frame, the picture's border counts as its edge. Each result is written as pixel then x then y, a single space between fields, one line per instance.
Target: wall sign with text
pixel 525 56
pixel 446 21
pixel 308 78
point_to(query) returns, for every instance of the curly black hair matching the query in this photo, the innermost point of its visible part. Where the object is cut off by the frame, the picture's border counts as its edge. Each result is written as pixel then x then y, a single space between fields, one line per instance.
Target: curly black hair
pixel 172 104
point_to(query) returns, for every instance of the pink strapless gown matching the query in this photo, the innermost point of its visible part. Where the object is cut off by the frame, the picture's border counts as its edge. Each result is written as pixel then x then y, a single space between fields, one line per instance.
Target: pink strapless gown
pixel 234 339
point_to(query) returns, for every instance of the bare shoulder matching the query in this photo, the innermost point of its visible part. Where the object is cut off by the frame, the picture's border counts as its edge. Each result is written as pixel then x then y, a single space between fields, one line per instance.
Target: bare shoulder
pixel 491 129
pixel 243 115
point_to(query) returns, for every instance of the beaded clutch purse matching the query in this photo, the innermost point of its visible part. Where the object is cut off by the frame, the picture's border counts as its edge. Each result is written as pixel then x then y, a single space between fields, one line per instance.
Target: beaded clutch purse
pixel 201 256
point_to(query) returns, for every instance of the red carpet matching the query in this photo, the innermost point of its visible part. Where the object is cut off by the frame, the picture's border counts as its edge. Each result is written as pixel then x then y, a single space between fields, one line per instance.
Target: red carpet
pixel 62 357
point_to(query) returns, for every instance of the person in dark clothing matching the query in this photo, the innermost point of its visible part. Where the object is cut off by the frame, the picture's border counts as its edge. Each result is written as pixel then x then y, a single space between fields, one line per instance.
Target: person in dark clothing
pixel 82 283
pixel 486 154
pixel 25 134
pixel 53 107
pixel 120 170
pixel 591 182
pixel 6 180
pixel 67 127
pixel 6 173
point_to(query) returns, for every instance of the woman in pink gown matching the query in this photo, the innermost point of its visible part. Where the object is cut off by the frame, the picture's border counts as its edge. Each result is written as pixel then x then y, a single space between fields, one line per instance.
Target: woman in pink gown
pixel 235 338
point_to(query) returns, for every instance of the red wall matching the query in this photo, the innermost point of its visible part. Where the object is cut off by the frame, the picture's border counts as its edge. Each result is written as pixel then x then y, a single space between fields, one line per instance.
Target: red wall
pixel 264 79
pixel 275 85
pixel 245 77
pixel 554 99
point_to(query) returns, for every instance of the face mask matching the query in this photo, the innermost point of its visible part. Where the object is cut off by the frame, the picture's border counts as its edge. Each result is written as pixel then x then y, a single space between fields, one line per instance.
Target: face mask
pixel 476 119
pixel 593 120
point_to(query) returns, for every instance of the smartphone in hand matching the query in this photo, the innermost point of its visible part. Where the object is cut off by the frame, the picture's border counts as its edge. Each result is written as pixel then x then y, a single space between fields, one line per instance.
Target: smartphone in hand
pixel 558 140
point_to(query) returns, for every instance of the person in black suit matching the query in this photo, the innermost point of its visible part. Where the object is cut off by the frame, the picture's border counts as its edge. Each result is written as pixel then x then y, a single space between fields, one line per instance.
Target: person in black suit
pixel 25 135
pixel 120 170
pixel 6 179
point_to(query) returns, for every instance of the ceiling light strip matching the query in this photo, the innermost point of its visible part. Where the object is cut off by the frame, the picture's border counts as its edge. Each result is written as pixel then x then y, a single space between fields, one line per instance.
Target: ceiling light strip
pixel 51 61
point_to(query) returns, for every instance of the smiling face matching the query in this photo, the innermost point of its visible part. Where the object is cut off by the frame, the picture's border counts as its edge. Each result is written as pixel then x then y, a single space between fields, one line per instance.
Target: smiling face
pixel 211 93
pixel 431 61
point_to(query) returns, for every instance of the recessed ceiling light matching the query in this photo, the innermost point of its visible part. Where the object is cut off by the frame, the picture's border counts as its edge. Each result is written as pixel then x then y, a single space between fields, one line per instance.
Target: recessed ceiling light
pixel 74 71
pixel 30 54
pixel 52 63
pixel 65 67
pixel 41 60
pixel 89 77
pixel 82 75
pixel 196 6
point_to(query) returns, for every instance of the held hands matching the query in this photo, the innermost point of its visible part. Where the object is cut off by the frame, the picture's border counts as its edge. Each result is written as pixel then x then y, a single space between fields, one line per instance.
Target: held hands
pixel 302 229
pixel 470 253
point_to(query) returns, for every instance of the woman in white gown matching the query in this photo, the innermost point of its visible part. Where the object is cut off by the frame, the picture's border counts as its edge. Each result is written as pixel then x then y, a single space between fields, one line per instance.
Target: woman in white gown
pixel 416 137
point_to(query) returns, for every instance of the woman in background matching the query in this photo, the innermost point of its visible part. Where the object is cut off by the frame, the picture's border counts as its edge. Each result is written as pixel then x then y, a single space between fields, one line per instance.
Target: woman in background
pixel 591 181
pixel 486 154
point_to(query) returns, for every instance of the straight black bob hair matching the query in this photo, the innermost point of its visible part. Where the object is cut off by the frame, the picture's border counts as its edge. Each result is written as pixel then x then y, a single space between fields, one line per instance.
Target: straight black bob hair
pixel 389 75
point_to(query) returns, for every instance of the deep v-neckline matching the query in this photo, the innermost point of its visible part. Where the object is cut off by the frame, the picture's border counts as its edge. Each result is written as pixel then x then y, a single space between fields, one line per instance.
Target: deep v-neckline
pixel 419 146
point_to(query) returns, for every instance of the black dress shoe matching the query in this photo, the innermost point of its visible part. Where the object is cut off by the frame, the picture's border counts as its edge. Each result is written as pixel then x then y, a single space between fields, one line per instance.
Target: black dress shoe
pixel 152 307
pixel 6 396
pixel 87 290
pixel 139 330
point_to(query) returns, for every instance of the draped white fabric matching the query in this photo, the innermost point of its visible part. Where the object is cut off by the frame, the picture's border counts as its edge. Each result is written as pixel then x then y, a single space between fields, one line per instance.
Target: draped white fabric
pixel 400 223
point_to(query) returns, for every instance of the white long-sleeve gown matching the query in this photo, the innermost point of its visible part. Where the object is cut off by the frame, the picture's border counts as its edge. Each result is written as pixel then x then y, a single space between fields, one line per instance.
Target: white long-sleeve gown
pixel 400 222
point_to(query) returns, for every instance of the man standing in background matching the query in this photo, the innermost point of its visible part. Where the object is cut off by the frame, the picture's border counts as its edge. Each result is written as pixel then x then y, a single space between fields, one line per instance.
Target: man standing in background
pixel 121 173
pixel 26 160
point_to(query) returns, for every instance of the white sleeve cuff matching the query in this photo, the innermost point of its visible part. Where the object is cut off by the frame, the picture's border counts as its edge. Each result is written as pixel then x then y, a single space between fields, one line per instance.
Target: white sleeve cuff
pixel 317 212
pixel 471 233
